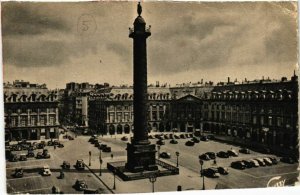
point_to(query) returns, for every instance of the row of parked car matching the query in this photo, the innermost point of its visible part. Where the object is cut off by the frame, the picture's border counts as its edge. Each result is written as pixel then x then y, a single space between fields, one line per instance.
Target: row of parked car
pixel 94 140
pixel 214 172
pixel 25 145
pixel 257 162
pixel 30 153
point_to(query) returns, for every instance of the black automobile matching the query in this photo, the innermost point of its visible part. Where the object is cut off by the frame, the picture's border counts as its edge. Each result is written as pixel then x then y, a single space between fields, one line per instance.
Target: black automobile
pixel 238 165
pixel 166 136
pixel 211 137
pixel 80 185
pixel 222 154
pixel 248 164
pixel 102 146
pixel 39 155
pixel 50 143
pixel 211 172
pixel 160 142
pixel 40 146
pixel 173 141
pixel 56 142
pixel 274 160
pixel 96 143
pixel 268 161
pixel 260 162
pixel 79 165
pixel 189 143
pixel 46 154
pixel 23 157
pixel 66 165
pixel 287 159
pixel 61 145
pixel 106 149
pixel 211 155
pixel 13 158
pixel 92 139
pixel 18 173
pixel 157 136
pixel 70 137
pixel 204 157
pixel 232 153
pixel 176 137
pixel 182 136
pixel 16 148
pixel 195 139
pixel 124 138
pixel 165 155
pixel 204 138
pixel 223 170
pixel 150 137
pixel 244 151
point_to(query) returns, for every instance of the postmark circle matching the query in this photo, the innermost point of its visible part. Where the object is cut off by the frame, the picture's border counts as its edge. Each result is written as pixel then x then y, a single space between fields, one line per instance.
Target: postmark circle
pixel 86 25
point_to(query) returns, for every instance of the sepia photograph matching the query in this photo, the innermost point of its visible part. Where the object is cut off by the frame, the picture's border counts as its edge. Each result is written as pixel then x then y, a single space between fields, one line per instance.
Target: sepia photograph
pixel 113 97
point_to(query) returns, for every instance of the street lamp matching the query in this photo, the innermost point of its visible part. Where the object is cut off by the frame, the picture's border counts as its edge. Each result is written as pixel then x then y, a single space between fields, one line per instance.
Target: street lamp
pixel 152 179
pixel 177 155
pixel 201 174
pixel 158 148
pixel 90 156
pixel 100 160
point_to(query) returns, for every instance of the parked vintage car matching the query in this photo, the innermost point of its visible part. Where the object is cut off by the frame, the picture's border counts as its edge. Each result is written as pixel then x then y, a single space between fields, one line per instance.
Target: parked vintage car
pixel 80 185
pixel 18 173
pixel 189 143
pixel 165 155
pixel 79 164
pixel 211 172
pixel 238 165
pixel 46 171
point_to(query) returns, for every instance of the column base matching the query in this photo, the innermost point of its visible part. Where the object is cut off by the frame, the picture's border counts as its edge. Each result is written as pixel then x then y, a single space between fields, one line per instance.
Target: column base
pixel 141 158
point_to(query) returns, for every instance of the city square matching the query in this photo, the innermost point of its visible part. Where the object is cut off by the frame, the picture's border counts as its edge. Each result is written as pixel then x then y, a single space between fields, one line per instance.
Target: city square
pixel 189 167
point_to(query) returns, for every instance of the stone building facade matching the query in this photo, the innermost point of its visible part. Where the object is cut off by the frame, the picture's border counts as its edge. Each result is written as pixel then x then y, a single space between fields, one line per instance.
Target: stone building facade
pixel 30 111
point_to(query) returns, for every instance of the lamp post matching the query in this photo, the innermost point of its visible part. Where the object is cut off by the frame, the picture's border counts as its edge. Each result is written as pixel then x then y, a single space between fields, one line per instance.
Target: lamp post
pixel 177 155
pixel 201 174
pixel 152 179
pixel 158 148
pixel 100 161
pixel 90 156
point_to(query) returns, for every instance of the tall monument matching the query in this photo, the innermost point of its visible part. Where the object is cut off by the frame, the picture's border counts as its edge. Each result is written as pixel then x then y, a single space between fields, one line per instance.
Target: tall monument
pixel 140 152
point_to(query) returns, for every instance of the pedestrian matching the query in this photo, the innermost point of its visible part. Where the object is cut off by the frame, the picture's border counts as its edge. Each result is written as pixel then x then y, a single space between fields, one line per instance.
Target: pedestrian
pixel 112 156
pixel 54 147
pixel 215 161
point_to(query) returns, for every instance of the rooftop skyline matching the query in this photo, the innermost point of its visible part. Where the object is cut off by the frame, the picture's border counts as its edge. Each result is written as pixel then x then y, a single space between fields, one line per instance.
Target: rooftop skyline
pixel 44 42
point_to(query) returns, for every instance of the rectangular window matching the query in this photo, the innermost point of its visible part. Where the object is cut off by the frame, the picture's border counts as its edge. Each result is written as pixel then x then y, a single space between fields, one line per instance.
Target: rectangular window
pixel 154 115
pixel 51 120
pixel 119 117
pixel 254 120
pixel 111 117
pixel 262 120
pixel 24 121
pixel 43 120
pixel 33 120
pixel 270 122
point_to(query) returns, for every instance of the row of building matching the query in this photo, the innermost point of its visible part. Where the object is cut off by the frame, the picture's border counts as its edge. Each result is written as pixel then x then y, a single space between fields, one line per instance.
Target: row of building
pixel 262 111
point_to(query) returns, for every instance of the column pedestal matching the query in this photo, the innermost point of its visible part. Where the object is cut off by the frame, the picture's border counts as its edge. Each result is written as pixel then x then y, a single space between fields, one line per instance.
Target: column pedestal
pixel 141 158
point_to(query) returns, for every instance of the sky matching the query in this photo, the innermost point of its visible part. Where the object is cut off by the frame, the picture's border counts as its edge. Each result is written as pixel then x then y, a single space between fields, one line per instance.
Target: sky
pixel 56 43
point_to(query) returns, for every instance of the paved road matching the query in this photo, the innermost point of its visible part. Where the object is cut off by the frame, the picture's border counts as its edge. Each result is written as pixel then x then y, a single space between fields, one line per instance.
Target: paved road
pixel 80 147
pixel 249 178
pixel 33 182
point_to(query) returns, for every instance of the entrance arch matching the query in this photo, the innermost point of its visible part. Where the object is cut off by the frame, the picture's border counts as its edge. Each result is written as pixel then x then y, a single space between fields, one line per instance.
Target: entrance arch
pixel 119 129
pixel 126 128
pixel 111 129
